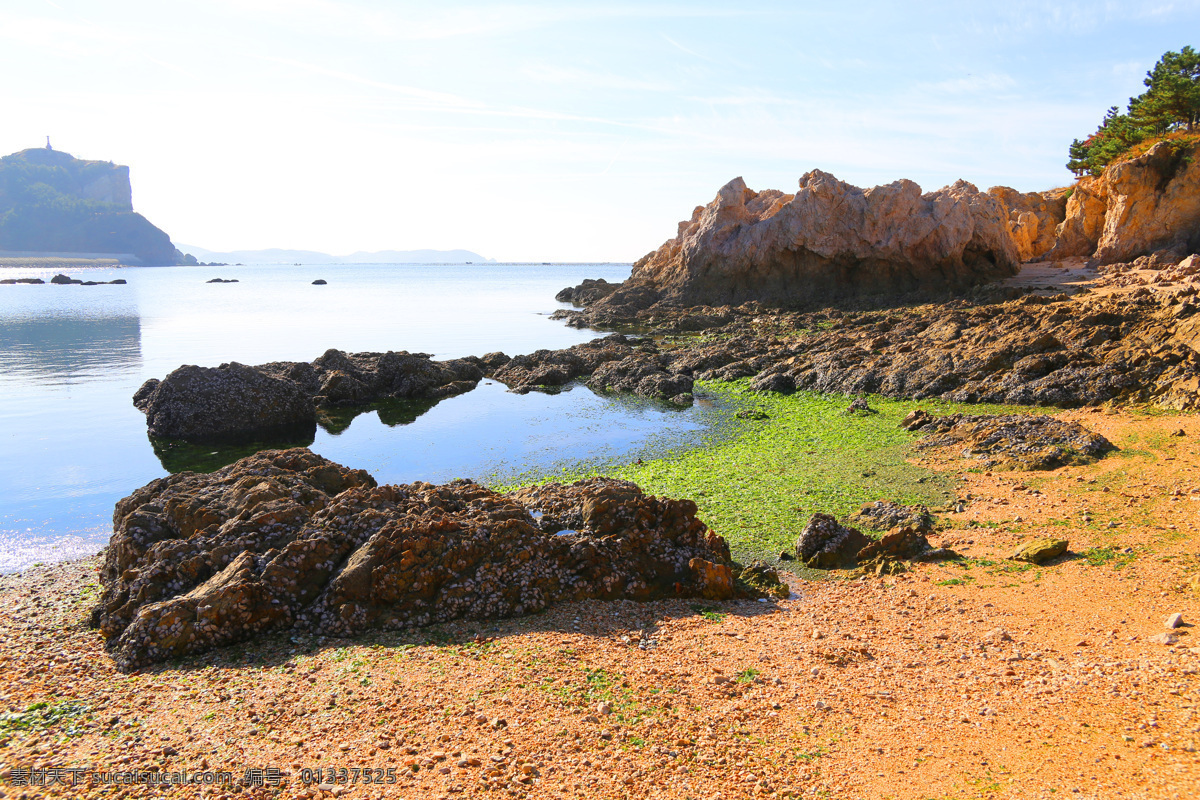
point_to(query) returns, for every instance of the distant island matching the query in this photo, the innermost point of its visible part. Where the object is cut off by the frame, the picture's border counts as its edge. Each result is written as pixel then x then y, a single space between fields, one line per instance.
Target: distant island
pixel 53 204
pixel 280 256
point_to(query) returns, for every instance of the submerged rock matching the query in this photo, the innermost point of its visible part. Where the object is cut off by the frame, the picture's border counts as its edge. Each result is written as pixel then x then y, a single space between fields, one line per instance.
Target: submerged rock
pixel 1017 441
pixel 286 539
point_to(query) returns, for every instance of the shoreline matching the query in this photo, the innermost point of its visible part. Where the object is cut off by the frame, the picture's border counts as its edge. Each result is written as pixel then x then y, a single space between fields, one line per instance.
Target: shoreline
pixel 944 680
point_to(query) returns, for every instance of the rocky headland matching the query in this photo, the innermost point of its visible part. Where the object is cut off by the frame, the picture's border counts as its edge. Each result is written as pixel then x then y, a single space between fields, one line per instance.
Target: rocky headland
pixel 52 202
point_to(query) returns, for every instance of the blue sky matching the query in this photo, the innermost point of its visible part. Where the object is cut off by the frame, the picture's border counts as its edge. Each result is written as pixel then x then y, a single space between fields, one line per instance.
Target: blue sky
pixel 567 131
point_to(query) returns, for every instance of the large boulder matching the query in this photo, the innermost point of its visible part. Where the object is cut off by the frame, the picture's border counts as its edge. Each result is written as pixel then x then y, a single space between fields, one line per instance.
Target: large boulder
pixel 229 402
pixel 829 239
pixel 286 539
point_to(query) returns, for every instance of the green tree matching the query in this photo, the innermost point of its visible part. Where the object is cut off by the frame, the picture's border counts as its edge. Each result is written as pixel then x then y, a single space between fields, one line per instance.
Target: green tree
pixel 1174 92
pixel 1171 101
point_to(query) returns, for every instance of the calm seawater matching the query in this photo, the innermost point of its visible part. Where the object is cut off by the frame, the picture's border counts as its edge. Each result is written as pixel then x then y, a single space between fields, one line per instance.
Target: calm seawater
pixel 71 357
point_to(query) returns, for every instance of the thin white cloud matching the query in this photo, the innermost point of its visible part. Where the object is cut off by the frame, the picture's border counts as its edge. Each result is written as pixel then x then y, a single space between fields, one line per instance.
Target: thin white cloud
pixel 432 22
pixel 974 84
pixel 542 72
pixel 687 50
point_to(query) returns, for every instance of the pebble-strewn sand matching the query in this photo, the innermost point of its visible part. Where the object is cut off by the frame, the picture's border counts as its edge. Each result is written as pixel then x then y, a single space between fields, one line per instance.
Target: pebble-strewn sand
pixel 1029 683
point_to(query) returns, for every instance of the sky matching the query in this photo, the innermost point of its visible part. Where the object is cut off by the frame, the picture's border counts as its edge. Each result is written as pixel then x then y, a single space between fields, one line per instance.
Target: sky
pixel 555 131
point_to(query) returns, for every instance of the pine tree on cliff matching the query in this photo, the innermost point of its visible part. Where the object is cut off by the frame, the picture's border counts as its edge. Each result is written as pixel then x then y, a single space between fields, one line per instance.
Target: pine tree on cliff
pixel 1171 102
pixel 1174 92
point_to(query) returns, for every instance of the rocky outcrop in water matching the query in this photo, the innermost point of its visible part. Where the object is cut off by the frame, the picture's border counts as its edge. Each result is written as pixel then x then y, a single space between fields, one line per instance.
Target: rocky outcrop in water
pixel 235 402
pixel 1147 204
pixel 587 292
pixel 229 402
pixel 286 539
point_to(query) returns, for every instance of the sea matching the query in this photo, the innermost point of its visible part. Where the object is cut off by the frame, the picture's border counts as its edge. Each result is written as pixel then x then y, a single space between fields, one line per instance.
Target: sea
pixel 71 357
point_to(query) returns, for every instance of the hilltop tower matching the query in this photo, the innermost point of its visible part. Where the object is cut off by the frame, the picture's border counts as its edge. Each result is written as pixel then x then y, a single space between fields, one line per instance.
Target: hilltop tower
pixel 48 147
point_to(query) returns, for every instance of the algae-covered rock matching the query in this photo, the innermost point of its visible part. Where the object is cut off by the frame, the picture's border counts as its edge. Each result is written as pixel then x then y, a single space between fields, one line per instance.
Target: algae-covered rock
pixel 1038 550
pixel 762 577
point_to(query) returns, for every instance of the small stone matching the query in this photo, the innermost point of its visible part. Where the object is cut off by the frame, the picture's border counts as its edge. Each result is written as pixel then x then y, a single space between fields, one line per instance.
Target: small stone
pixel 1165 638
pixel 604 708
pixel 1036 551
pixel 497 723
pixel 820 706
pixel 816 634
pixel 1174 621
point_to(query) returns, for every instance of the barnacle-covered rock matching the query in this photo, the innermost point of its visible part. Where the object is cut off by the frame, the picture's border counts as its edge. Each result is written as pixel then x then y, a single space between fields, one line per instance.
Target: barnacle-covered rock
pixel 235 402
pixel 287 539
pixel 1017 441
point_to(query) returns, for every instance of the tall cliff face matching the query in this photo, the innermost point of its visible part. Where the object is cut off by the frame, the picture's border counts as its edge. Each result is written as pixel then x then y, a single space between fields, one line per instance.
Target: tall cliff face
pixel 53 202
pixel 829 239
pixel 1137 207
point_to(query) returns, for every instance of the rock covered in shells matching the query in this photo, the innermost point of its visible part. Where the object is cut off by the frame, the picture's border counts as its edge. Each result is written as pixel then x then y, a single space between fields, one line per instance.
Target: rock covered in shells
pixel 1017 441
pixel 208 404
pixel 826 543
pixel 884 515
pixel 286 539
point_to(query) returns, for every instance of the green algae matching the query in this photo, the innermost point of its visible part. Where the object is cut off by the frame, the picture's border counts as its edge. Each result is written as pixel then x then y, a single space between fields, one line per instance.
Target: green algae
pixel 757 481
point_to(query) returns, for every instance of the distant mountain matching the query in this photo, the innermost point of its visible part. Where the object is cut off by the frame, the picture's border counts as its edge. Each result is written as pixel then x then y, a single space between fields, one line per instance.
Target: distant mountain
pixel 278 256
pixel 52 202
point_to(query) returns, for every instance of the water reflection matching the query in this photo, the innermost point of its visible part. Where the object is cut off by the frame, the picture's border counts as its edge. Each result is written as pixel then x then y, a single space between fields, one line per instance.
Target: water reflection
pixel 176 456
pixel 64 346
pixel 391 413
